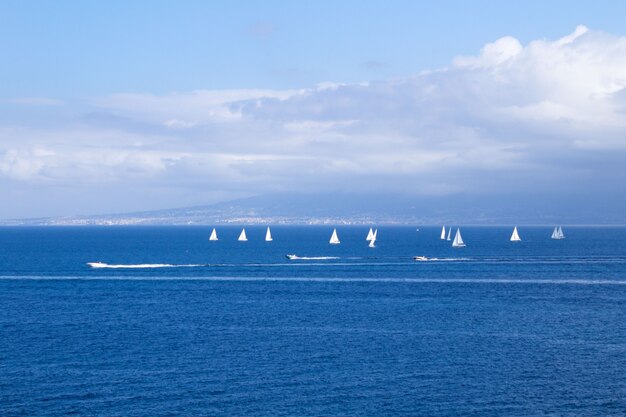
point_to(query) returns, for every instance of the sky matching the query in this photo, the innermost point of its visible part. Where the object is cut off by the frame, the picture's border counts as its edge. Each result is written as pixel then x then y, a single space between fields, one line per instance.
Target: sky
pixel 136 105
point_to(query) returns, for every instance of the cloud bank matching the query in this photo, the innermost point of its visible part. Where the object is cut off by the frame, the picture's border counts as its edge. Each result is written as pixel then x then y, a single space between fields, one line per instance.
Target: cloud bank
pixel 546 117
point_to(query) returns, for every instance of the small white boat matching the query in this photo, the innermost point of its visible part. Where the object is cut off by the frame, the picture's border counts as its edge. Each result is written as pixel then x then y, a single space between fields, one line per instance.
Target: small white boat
pixel 515 236
pixel 268 235
pixel 443 233
pixel 334 239
pixel 291 256
pixel 420 258
pixel 449 233
pixel 370 235
pixel 458 240
pixel 213 235
pixel 242 236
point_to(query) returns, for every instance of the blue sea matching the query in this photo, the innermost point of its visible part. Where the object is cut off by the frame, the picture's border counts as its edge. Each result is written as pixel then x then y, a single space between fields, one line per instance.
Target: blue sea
pixel 177 325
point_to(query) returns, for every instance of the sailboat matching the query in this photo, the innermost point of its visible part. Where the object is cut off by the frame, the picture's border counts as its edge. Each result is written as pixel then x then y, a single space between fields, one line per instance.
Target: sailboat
pixel 557 233
pixel 515 236
pixel 443 233
pixel 242 236
pixel 334 239
pixel 370 235
pixel 373 240
pixel 213 235
pixel 449 233
pixel 268 235
pixel 458 240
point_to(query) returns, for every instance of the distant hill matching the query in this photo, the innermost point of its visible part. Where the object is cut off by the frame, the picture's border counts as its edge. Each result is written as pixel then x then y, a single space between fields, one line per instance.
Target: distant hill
pixel 341 208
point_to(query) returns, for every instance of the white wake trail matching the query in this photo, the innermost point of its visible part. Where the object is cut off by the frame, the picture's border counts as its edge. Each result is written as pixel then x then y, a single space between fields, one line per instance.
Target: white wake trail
pixel 139 266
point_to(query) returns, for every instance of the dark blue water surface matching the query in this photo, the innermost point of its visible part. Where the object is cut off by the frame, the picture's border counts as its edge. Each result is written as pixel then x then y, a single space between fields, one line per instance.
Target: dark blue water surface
pixel 233 328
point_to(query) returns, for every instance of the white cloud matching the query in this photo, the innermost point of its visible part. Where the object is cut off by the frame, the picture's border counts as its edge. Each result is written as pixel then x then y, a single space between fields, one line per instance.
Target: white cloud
pixel 493 54
pixel 187 108
pixel 512 112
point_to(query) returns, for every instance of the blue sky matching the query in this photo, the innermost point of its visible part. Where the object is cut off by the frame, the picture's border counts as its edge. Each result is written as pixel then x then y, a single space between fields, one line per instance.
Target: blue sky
pixel 118 106
pixel 76 49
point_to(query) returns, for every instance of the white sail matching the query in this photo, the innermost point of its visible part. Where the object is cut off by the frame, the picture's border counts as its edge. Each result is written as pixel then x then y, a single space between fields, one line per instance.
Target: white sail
pixel 458 240
pixel 370 235
pixel 443 233
pixel 268 235
pixel 213 235
pixel 515 236
pixel 373 240
pixel 449 233
pixel 555 233
pixel 242 236
pixel 334 239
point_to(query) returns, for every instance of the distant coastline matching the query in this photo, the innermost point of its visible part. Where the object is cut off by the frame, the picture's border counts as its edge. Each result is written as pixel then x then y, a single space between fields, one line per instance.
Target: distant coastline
pixel 345 209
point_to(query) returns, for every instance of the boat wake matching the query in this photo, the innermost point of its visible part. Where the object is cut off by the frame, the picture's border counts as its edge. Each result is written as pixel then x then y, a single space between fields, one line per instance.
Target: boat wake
pixel 425 259
pixel 139 266
pixel 310 258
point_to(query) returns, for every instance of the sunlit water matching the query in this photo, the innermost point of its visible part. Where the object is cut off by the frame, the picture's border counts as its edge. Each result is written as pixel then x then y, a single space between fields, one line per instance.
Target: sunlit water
pixel 170 323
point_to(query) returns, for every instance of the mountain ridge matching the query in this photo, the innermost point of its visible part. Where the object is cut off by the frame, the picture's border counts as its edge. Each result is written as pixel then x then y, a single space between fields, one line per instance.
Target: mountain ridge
pixel 350 208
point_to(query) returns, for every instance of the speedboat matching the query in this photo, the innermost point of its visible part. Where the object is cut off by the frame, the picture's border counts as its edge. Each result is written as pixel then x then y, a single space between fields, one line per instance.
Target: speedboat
pixel 420 258
pixel 291 256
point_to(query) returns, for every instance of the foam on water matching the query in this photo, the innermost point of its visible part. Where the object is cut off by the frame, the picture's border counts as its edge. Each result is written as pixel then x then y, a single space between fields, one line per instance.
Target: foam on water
pixel 312 258
pixel 443 259
pixel 138 266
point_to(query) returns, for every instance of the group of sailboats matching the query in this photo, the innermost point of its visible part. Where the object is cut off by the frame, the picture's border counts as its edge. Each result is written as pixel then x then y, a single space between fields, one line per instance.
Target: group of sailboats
pixel 557 233
pixel 458 239
pixel 372 235
pixel 242 235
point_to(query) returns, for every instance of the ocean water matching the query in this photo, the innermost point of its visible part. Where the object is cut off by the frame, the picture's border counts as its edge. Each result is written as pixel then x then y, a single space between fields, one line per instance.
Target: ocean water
pixel 176 325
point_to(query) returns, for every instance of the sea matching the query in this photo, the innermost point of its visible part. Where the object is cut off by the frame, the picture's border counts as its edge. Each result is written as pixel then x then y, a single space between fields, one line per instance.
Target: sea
pixel 169 323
